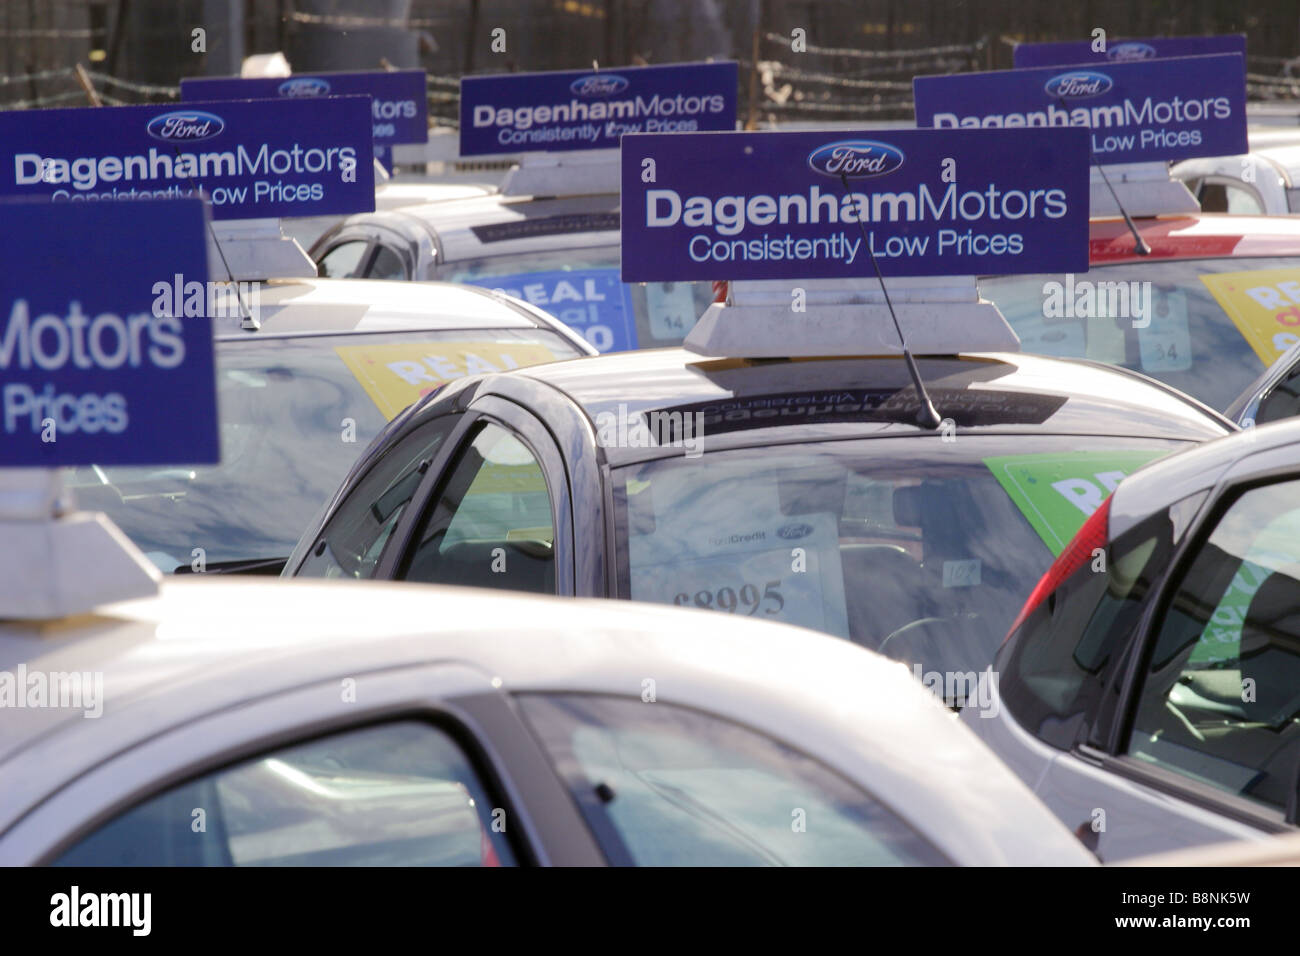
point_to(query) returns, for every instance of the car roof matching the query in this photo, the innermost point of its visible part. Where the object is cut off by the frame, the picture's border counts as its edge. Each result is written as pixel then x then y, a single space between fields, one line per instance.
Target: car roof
pixel 400 193
pixel 312 306
pixel 502 225
pixel 205 646
pixel 1004 391
pixel 1174 477
pixel 1201 236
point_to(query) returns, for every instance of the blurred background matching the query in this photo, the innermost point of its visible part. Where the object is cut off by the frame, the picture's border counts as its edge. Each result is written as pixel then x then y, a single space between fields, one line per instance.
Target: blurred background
pixel 858 63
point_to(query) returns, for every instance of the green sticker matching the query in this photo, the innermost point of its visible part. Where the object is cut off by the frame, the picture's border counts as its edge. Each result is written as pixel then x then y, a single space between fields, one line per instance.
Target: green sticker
pixel 1057 492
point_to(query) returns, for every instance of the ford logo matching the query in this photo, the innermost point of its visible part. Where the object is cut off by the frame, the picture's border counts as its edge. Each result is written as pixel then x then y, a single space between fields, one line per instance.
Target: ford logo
pixel 185 126
pixel 598 84
pixel 793 531
pixel 1078 85
pixel 856 159
pixel 1131 51
pixel 304 86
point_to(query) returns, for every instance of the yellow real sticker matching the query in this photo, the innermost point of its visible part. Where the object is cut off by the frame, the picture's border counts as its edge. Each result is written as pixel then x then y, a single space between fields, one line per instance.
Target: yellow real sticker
pixel 395 375
pixel 1264 304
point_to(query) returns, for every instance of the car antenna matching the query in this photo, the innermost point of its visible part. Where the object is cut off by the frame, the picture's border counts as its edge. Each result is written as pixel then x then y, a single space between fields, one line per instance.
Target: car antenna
pixel 927 416
pixel 1140 247
pixel 247 320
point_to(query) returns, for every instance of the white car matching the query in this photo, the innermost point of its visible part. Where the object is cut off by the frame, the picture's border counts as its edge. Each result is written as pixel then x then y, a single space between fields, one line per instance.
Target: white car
pixel 253 722
pixel 1265 181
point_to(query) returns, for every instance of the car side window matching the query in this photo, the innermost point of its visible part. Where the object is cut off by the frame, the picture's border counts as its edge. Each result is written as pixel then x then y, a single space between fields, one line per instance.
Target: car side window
pixel 1282 401
pixel 386 265
pixel 1220 700
pixel 343 261
pixel 491 524
pixel 394 794
pixel 350 544
pixel 667 786
pixel 1230 198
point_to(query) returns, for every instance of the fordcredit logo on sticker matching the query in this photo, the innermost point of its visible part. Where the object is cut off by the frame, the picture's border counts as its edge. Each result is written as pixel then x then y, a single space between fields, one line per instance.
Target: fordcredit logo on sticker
pixel 304 86
pixel 856 159
pixel 598 84
pixel 1131 51
pixel 185 126
pixel 1078 84
pixel 792 531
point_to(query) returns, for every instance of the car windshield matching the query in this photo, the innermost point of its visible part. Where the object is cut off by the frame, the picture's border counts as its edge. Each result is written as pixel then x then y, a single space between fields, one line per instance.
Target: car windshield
pixel 921 549
pixel 1207 327
pixel 295 413
pixel 581 288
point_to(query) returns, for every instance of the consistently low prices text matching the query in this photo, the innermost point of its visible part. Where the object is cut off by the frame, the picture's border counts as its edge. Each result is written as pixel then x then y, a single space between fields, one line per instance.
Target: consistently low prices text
pixel 818 205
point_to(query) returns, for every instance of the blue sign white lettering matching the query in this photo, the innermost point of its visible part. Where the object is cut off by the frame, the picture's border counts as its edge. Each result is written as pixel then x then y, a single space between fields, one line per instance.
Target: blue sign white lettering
pixel 399 106
pixel 548 112
pixel 1124 51
pixel 92 369
pixel 775 205
pixel 592 302
pixel 1140 111
pixel 253 159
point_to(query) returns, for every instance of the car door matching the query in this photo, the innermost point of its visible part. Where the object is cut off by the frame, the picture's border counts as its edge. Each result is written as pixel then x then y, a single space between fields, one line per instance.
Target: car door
pixel 422 765
pixel 495 509
pixel 1207 742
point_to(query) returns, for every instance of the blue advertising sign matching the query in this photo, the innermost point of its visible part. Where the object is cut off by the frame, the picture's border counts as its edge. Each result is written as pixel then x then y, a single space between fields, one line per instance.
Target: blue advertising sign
pixel 399 109
pixel 1141 111
pixel 582 109
pixel 253 159
pixel 923 202
pixel 592 302
pixel 99 364
pixel 1124 51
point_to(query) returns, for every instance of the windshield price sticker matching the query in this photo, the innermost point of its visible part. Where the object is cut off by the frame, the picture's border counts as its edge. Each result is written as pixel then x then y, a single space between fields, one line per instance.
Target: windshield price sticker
pixel 399 108
pixel 91 369
pixel 755 572
pixel 1264 305
pixel 1057 492
pixel 592 302
pixel 1124 51
pixel 1165 344
pixel 396 374
pixel 582 109
pixel 252 159
pixel 1137 111
pixel 775 206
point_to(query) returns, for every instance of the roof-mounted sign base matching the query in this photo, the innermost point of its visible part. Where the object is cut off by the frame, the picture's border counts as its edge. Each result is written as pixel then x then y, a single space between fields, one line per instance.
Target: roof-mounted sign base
pixel 256 249
pixel 1144 189
pixel 58 564
pixel 581 173
pixel 826 317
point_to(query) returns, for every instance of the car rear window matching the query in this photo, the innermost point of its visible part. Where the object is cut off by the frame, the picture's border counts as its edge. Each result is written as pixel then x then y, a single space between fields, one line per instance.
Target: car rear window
pixel 295 413
pixel 921 549
pixel 1208 327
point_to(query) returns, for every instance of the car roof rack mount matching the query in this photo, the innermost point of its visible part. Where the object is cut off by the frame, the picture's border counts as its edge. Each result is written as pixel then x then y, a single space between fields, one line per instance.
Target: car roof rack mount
pixel 56 561
pixel 849 317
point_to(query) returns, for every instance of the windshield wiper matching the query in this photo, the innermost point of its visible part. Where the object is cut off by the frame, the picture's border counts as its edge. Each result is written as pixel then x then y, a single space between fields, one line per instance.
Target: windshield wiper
pixel 267 566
